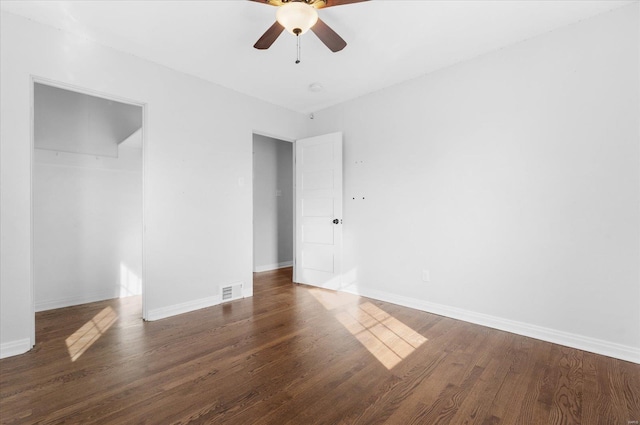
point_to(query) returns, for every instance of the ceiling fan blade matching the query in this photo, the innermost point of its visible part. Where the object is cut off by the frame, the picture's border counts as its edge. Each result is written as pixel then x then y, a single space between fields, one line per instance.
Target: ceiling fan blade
pixel 269 36
pixel 328 36
pixel 330 3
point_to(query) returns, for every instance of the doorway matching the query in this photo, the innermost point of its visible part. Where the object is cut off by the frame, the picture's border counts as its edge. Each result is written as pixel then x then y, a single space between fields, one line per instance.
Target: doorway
pixel 87 197
pixel 273 217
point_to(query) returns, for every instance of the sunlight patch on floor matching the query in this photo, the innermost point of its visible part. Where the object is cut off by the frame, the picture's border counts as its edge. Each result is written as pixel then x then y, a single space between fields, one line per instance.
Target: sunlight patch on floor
pixel 384 336
pixel 333 299
pixel 89 333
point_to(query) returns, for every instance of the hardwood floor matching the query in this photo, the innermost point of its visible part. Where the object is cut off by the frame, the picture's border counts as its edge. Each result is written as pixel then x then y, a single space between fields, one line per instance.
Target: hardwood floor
pixel 299 355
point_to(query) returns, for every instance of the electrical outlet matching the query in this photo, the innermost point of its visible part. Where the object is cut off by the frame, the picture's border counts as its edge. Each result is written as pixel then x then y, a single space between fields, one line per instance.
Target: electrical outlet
pixel 426 276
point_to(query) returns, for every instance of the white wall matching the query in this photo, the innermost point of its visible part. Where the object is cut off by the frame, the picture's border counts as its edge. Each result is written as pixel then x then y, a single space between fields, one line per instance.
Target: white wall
pixel 514 178
pixel 87 227
pixel 272 203
pixel 197 171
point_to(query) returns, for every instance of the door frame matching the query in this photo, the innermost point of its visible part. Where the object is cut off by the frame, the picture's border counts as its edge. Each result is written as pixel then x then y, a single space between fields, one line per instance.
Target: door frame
pixel 82 90
pixel 293 176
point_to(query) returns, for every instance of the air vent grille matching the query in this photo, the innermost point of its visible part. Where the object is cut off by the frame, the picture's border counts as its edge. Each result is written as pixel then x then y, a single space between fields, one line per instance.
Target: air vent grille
pixel 231 292
pixel 227 293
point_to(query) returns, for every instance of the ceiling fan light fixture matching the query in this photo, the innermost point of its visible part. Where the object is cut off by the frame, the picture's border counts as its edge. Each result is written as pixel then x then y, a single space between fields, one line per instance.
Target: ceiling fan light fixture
pixel 296 17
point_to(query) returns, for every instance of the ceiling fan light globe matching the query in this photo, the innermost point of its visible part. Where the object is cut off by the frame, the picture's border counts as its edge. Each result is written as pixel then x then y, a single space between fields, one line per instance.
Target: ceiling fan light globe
pixel 296 17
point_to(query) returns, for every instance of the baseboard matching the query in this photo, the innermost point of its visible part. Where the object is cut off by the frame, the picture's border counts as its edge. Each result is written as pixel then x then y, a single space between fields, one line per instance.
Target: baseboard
pixel 13 348
pixel 567 339
pixel 68 302
pixel 267 267
pixel 172 310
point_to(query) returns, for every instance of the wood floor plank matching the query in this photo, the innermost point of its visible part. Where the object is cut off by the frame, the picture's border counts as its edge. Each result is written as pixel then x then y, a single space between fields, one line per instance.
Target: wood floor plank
pixel 404 385
pixel 444 408
pixel 532 411
pixel 567 400
pixel 437 398
pixel 480 408
pixel 293 354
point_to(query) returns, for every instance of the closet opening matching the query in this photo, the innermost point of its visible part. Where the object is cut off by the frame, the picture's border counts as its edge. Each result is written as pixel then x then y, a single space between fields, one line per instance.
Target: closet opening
pixel 87 199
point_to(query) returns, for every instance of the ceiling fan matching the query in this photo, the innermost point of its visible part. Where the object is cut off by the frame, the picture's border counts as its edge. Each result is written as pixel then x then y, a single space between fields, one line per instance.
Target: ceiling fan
pixel 299 16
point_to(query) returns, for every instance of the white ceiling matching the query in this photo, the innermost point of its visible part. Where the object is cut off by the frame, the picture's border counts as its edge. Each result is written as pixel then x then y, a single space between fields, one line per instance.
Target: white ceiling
pixel 389 41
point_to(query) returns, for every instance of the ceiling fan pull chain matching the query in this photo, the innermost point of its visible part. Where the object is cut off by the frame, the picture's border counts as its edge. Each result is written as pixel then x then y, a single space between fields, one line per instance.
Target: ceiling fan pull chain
pixel 298 47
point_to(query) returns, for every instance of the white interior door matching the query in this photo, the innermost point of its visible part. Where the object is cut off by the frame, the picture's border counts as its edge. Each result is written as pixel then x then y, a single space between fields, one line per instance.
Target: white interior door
pixel 318 201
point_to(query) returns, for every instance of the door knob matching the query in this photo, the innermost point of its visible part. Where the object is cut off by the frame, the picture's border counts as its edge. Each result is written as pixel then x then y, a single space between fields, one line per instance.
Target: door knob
pixel 336 221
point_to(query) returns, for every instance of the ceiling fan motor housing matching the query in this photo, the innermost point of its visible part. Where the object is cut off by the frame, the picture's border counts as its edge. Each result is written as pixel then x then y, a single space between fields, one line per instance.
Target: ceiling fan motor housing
pixel 297 17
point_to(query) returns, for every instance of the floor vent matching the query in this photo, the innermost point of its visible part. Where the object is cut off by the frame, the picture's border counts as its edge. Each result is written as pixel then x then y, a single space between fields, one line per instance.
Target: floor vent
pixel 231 292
